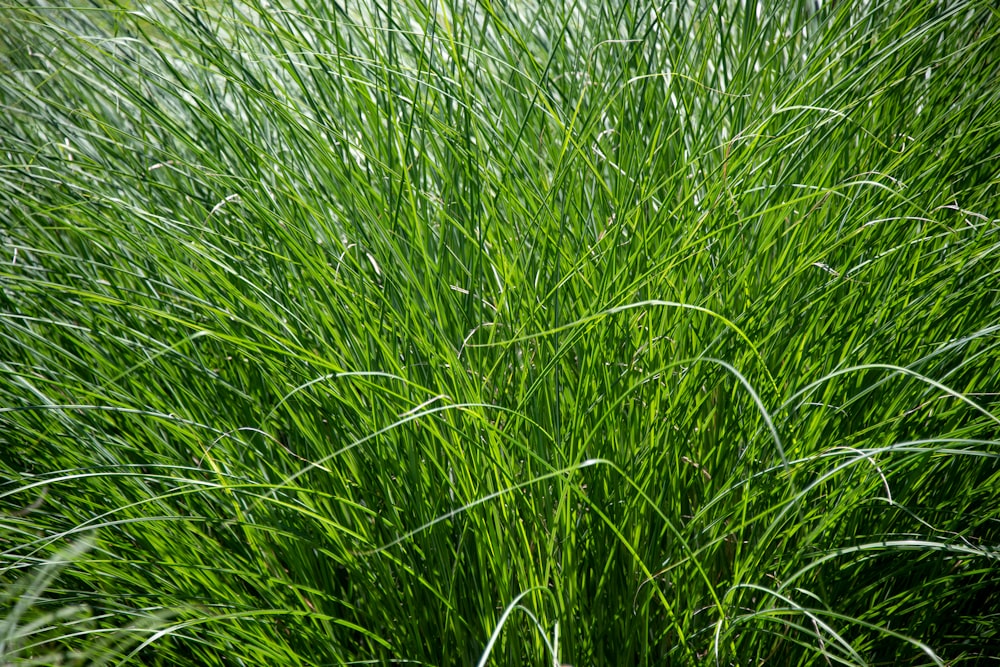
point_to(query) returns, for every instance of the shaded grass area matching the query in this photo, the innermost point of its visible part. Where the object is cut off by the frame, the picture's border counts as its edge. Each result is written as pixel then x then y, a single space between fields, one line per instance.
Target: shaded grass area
pixel 448 332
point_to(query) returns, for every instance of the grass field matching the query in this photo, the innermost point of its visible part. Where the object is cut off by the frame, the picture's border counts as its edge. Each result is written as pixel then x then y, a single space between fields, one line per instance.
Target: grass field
pixel 479 333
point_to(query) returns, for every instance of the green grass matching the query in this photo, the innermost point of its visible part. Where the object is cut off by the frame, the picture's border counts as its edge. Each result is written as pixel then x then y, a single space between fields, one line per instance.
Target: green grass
pixel 521 333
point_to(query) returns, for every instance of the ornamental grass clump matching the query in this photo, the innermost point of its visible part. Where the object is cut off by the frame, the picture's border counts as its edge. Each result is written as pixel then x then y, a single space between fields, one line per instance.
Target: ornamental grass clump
pixel 461 333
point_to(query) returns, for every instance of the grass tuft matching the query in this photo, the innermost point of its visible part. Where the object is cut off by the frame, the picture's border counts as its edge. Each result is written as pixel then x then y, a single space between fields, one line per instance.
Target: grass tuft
pixel 523 333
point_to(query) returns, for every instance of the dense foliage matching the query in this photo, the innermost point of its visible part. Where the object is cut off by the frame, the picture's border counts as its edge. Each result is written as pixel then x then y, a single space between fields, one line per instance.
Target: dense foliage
pixel 629 333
